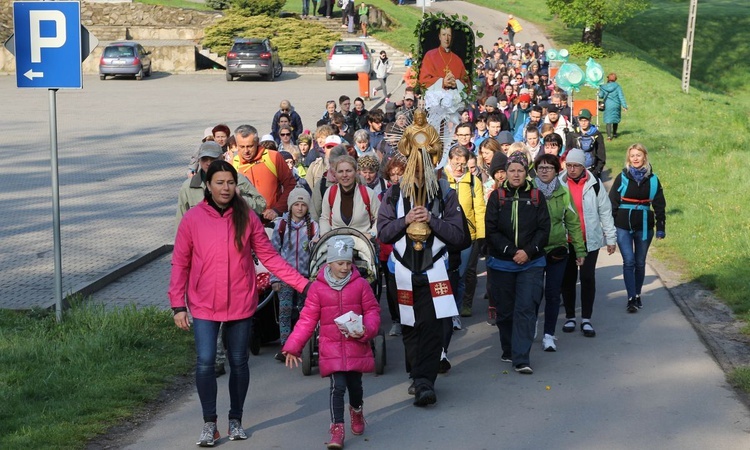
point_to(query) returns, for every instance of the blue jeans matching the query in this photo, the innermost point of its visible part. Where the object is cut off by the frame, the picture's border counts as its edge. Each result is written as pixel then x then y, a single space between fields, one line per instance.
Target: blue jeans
pixel 237 336
pixel 554 271
pixel 305 7
pixel 633 250
pixel 517 296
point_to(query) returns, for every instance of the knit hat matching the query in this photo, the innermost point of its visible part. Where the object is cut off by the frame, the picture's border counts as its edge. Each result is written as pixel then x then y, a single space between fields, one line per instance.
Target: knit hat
pixel 491 101
pixel 505 137
pixel 524 98
pixel 209 149
pixel 298 194
pixel 576 156
pixel 368 162
pixel 517 158
pixel 340 248
pixel 286 155
pixel 304 138
pixel 498 163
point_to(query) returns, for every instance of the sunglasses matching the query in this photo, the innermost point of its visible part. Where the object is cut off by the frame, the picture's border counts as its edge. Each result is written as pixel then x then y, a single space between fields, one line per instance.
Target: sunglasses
pixel 285 134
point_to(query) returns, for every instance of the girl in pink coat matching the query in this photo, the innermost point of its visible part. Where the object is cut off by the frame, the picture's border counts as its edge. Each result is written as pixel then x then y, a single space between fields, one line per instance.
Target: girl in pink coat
pixel 343 355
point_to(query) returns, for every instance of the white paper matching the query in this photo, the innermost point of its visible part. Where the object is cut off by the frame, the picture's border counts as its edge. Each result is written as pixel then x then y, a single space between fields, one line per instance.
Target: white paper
pixel 350 323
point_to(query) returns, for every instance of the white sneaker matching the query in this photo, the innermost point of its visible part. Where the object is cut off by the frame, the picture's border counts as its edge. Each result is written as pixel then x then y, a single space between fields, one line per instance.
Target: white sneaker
pixel 395 329
pixel 456 323
pixel 548 343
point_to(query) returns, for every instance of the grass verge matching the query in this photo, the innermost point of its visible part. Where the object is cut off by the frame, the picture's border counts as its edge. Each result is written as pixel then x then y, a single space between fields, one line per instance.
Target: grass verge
pixel 740 378
pixel 62 384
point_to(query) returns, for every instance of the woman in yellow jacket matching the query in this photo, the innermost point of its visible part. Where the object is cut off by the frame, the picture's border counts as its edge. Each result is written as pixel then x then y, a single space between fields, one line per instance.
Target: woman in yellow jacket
pixel 470 194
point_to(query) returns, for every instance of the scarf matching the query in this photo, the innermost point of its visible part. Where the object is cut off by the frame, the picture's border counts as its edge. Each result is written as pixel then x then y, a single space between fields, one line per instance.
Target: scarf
pixel 547 189
pixel 336 284
pixel 638 174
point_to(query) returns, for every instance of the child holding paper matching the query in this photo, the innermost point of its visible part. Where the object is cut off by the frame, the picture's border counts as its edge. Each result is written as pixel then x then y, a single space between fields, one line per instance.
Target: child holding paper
pixel 344 352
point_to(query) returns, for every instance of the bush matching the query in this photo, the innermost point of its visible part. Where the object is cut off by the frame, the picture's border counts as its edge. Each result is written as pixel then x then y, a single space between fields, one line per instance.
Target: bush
pixel 249 8
pixel 299 43
pixel 219 5
pixel 586 51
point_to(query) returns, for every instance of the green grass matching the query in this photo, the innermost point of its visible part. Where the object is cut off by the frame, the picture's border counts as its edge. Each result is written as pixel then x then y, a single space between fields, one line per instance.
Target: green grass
pixel 177 4
pixel 740 378
pixel 62 384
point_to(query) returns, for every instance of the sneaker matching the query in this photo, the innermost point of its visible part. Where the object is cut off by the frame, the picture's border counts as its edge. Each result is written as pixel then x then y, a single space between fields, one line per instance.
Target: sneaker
pixel 524 368
pixel 638 303
pixel 445 364
pixel 236 432
pixel 588 329
pixel 466 311
pixel 395 329
pixel 631 308
pixel 570 326
pixel 412 389
pixel 548 343
pixel 456 323
pixel 209 435
pixel 425 396
pixel 337 436
pixel 506 358
pixel 358 420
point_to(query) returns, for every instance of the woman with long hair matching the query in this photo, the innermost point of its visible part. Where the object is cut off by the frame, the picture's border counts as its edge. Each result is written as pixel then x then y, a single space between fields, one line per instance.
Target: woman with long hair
pixel 213 276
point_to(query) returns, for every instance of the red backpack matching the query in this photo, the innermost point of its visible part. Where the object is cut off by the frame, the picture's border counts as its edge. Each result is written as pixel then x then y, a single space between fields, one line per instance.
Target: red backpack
pixel 362 191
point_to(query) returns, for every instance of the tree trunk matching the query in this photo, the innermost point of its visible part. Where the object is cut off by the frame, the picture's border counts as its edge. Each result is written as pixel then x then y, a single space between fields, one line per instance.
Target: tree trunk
pixel 592 35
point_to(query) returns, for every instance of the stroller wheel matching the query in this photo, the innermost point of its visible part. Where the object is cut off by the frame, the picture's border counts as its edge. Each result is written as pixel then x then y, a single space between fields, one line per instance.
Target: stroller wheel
pixel 379 351
pixel 307 356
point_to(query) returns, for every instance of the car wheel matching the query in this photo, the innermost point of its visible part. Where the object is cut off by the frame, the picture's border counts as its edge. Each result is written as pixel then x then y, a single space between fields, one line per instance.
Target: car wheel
pixel 279 70
pixel 102 76
pixel 139 75
pixel 229 77
pixel 329 77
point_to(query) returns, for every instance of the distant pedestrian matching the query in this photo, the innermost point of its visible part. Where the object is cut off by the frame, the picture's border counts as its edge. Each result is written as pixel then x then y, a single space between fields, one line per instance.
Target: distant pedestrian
pixel 614 102
pixel 512 27
pixel 638 205
pixel 213 275
pixel 383 68
pixel 364 18
pixel 343 356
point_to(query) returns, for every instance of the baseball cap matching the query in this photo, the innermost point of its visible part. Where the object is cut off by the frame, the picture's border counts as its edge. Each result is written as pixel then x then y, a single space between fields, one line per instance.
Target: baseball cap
pixel 209 149
pixel 332 141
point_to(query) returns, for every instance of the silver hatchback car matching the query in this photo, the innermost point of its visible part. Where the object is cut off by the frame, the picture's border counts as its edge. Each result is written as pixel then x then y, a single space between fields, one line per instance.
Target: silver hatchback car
pixel 125 58
pixel 348 58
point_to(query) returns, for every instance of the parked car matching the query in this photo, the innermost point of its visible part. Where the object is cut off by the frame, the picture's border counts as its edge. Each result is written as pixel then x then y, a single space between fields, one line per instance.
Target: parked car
pixel 348 58
pixel 125 58
pixel 253 57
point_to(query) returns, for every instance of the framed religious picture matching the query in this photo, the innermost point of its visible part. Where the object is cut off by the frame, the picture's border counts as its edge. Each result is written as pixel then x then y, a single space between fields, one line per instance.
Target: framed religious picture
pixel 445 54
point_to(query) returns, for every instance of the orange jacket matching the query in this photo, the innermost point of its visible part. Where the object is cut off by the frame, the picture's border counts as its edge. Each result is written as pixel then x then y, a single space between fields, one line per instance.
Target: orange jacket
pixel 275 188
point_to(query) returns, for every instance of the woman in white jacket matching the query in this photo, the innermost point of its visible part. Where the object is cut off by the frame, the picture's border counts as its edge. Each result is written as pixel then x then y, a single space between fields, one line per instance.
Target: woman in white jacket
pixel 347 203
pixel 592 202
pixel 383 67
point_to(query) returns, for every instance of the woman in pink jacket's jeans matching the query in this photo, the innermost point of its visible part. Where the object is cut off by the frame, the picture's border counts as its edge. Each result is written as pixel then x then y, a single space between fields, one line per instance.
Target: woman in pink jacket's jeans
pixel 344 357
pixel 213 274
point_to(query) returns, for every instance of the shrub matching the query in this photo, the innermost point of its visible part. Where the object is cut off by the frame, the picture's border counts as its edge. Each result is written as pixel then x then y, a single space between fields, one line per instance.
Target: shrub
pixel 219 5
pixel 251 8
pixel 299 43
pixel 586 50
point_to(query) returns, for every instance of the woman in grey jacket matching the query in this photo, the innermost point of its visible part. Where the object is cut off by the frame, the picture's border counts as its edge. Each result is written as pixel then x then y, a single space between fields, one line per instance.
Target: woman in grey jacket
pixel 383 67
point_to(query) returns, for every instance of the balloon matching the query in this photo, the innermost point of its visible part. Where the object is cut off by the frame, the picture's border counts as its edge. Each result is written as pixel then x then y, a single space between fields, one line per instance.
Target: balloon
pixel 594 73
pixel 551 54
pixel 570 76
pixel 563 54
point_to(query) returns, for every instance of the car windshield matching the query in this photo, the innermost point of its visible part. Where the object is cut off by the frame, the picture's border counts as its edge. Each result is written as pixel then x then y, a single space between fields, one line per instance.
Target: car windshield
pixel 347 50
pixel 118 52
pixel 249 47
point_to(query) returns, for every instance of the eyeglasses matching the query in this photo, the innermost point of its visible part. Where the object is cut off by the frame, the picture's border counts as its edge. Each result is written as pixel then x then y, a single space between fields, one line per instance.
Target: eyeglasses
pixel 463 135
pixel 573 166
pixel 545 168
pixel 285 134
pixel 461 166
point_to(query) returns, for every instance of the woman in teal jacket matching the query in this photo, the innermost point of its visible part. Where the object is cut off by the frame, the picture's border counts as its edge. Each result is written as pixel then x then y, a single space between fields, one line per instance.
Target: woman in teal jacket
pixel 565 226
pixel 614 102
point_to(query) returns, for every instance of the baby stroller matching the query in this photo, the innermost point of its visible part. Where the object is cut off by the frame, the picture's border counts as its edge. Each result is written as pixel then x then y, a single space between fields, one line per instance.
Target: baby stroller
pixel 265 321
pixel 366 261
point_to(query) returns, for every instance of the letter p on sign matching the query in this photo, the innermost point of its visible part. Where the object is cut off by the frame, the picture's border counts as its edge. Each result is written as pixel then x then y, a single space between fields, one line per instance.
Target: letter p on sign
pixel 38 42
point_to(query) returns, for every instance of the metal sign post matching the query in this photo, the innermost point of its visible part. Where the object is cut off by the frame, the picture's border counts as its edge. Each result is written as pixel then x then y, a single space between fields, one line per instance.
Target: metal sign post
pixel 687 47
pixel 49 44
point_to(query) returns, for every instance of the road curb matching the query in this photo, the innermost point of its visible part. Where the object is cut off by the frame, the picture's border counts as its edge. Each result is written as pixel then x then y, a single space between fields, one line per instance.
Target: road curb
pixel 113 274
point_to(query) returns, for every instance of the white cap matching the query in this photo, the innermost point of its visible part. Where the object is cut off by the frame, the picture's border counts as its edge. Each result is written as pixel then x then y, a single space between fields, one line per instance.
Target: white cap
pixel 332 140
pixel 267 138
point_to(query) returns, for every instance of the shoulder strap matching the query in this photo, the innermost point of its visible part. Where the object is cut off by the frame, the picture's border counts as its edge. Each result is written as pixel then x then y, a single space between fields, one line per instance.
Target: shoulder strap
pixel 366 199
pixel 266 158
pixel 535 197
pixel 282 230
pixel 331 198
pixel 654 185
pixel 323 183
pixel 623 185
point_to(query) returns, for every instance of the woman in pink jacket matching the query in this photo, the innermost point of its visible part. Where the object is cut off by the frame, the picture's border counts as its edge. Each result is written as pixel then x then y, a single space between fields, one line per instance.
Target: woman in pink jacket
pixel 343 354
pixel 213 275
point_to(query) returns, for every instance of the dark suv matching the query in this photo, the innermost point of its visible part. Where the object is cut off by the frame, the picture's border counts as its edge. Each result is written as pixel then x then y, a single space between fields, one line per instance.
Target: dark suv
pixel 253 57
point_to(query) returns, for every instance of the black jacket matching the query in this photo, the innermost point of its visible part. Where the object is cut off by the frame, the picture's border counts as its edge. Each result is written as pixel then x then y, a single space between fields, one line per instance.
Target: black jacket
pixel 628 219
pixel 533 225
pixel 599 151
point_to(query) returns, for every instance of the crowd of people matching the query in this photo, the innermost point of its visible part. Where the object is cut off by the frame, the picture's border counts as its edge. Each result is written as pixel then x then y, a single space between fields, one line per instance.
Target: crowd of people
pixel 521 188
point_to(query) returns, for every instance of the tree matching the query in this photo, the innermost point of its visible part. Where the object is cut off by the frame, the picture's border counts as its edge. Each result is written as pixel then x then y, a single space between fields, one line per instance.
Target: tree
pixel 593 15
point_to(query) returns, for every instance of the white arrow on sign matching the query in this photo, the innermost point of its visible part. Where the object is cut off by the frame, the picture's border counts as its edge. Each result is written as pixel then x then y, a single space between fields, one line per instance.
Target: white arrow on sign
pixel 31 74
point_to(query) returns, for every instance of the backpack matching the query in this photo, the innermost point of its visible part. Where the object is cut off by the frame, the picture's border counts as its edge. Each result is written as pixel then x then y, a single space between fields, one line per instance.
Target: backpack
pixel 637 204
pixel 534 193
pixel 282 231
pixel 586 143
pixel 362 191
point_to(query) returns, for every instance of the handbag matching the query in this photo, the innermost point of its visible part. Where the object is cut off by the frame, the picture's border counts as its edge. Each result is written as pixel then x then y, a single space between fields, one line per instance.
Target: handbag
pixel 600 105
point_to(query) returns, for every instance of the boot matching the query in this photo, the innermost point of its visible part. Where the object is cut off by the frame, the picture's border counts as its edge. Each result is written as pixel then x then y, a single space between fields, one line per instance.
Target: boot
pixel 358 420
pixel 337 436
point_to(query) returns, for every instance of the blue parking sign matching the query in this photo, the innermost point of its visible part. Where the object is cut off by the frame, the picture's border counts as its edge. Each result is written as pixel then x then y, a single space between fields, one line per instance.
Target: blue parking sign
pixel 48 44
